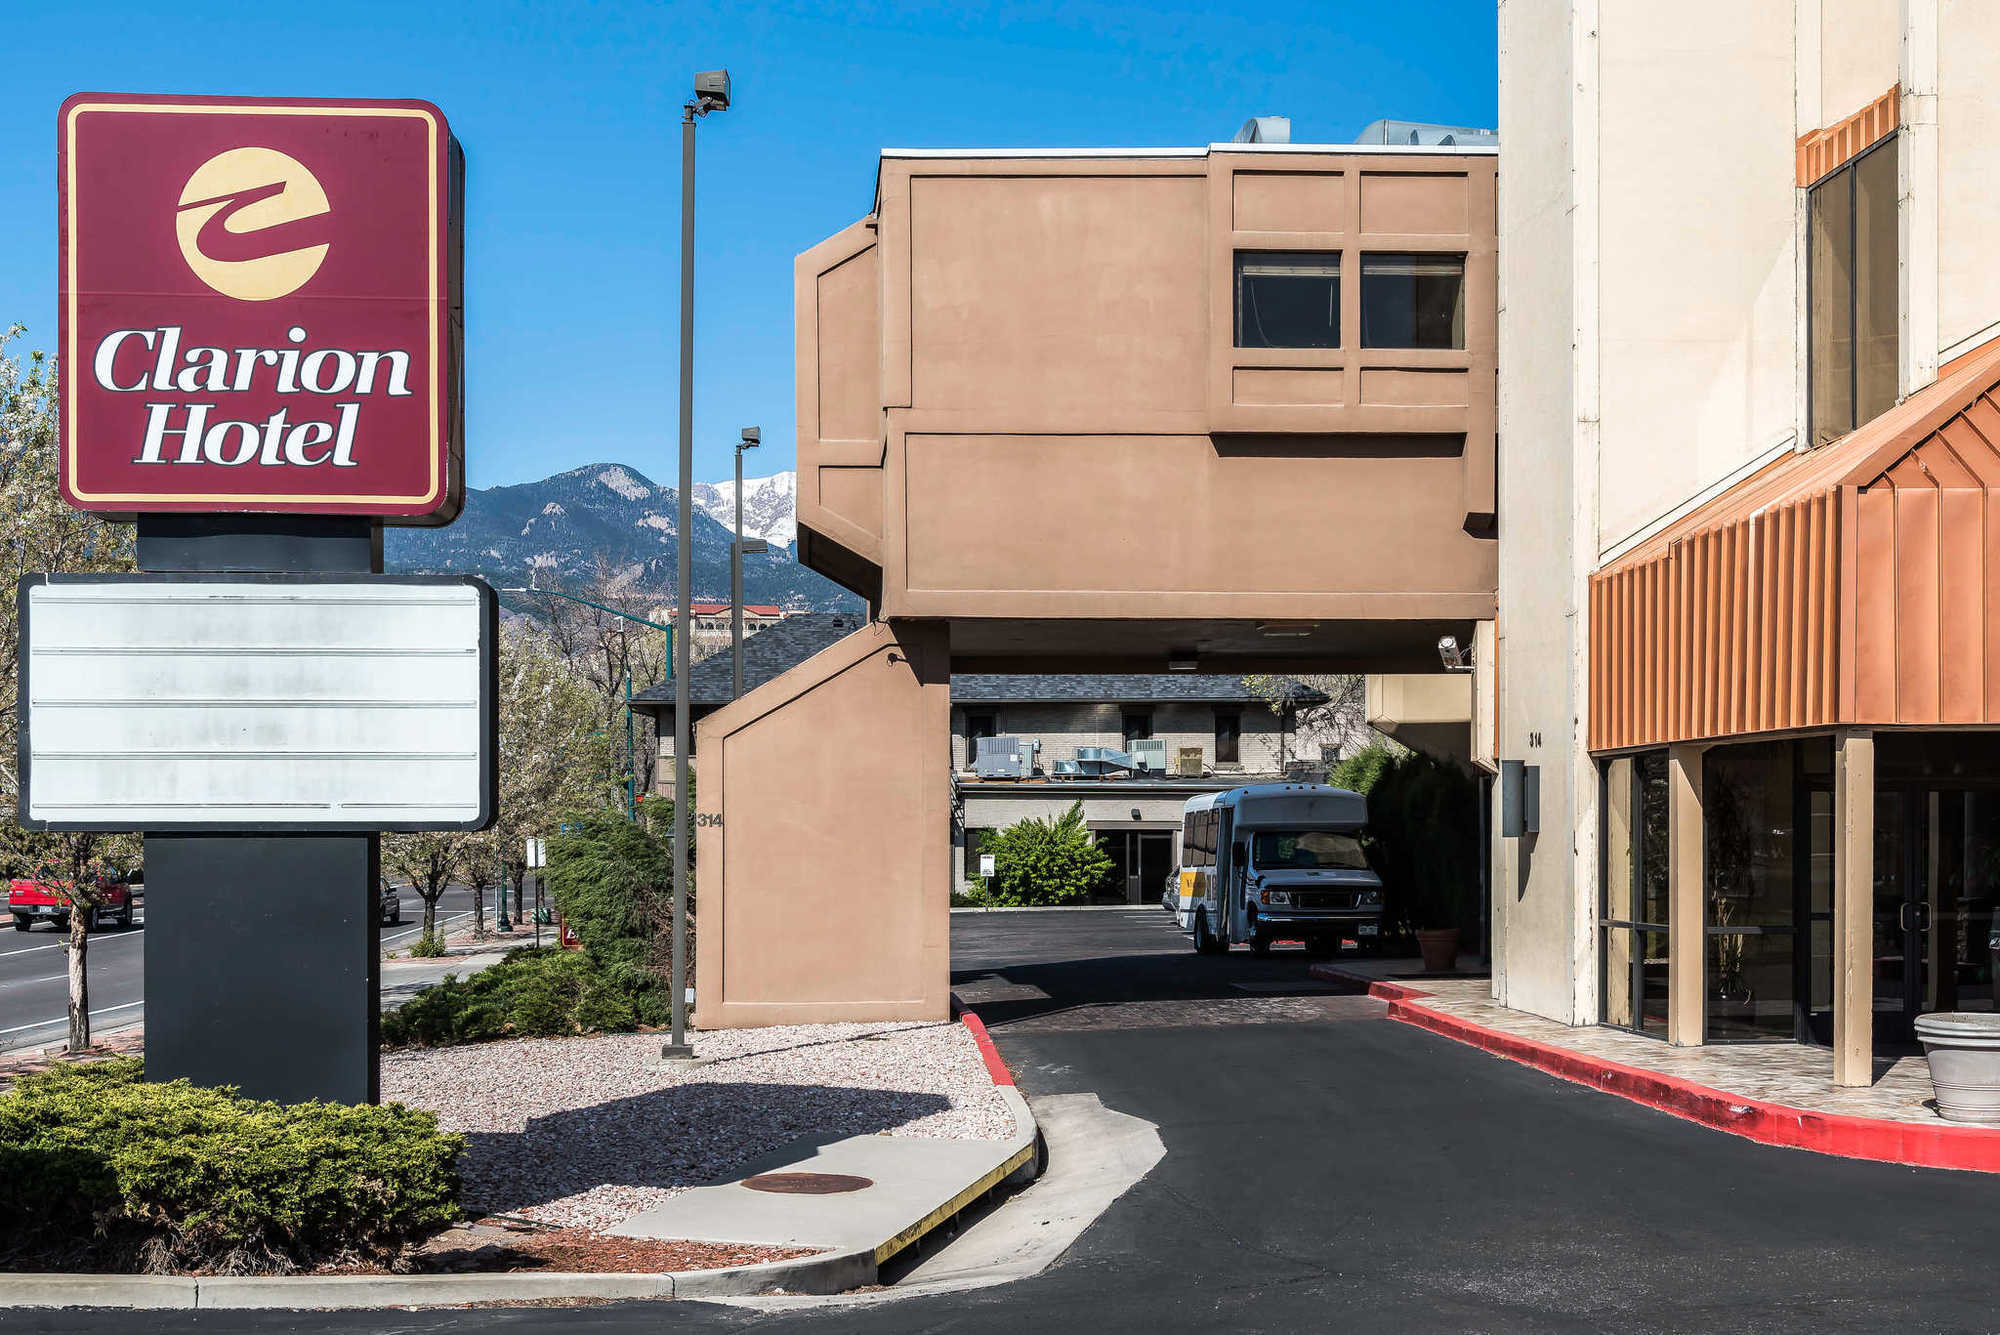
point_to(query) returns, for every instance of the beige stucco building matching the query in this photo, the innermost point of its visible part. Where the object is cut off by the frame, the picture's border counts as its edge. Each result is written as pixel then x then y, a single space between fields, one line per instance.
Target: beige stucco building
pixel 1220 410
pixel 1743 631
pixel 1683 418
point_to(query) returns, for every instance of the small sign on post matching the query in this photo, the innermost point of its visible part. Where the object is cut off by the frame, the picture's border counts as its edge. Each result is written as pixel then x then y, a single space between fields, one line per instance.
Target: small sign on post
pixel 986 865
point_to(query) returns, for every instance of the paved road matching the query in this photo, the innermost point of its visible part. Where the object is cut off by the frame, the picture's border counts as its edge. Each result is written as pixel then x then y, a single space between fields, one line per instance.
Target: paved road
pixel 34 983
pixel 1330 1169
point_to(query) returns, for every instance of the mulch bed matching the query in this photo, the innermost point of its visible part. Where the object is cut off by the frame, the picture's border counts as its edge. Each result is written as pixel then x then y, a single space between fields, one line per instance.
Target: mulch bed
pixel 129 1043
pixel 495 1245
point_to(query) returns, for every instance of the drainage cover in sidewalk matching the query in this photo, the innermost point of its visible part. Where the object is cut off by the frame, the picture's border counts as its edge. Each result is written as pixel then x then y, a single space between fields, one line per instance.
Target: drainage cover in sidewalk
pixel 807 1184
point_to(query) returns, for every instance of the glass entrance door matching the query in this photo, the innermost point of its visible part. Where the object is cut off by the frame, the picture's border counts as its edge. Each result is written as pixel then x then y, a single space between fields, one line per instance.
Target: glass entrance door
pixel 1937 873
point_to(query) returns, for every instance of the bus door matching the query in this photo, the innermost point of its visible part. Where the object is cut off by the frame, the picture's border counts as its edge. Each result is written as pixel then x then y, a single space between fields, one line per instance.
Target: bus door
pixel 1229 889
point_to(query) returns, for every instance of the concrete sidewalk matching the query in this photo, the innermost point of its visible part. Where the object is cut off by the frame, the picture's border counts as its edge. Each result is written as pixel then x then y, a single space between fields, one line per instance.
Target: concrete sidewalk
pixel 886 1192
pixel 1773 1093
pixel 404 978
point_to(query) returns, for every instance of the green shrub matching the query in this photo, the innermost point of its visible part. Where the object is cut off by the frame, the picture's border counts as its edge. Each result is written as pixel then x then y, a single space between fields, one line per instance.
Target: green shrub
pixel 530 994
pixel 102 1170
pixel 428 946
pixel 1038 863
pixel 1423 837
pixel 613 882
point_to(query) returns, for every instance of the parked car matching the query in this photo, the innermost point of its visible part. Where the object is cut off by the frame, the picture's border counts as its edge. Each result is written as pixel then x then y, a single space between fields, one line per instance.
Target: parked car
pixel 28 900
pixel 389 906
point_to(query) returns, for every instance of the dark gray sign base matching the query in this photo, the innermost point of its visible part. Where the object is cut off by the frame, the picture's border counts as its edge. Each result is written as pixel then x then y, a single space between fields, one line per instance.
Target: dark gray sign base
pixel 263 956
pixel 263 964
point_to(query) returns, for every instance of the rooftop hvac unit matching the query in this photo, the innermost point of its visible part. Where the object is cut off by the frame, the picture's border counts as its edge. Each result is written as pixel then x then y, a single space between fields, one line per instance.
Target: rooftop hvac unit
pixel 1187 762
pixel 1005 757
pixel 1151 753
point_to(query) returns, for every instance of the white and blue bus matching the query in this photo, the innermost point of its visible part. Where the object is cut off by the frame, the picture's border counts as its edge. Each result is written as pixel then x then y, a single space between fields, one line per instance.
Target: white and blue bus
pixel 1277 861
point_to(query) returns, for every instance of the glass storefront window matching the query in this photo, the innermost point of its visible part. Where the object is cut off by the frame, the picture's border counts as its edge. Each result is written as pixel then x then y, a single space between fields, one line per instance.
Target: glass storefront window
pixel 1632 952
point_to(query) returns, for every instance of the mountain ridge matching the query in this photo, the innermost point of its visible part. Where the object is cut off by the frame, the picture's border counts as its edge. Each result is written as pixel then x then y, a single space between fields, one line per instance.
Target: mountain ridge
pixel 608 522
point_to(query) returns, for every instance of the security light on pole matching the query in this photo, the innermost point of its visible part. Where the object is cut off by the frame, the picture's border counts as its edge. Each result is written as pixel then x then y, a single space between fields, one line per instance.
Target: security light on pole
pixel 711 93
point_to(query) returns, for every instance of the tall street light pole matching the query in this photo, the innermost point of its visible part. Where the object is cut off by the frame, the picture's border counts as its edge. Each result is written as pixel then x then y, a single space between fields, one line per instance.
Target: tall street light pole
pixel 749 441
pixel 711 93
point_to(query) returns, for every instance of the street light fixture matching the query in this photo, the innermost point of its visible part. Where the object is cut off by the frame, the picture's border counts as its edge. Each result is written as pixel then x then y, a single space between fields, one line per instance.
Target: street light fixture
pixel 751 438
pixel 711 93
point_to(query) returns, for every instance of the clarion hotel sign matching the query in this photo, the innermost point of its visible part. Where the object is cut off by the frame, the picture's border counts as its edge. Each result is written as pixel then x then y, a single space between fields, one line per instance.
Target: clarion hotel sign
pixel 259 304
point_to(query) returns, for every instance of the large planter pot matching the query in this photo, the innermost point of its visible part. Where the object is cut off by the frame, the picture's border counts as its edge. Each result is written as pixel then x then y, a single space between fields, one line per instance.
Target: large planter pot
pixel 1439 949
pixel 1964 1052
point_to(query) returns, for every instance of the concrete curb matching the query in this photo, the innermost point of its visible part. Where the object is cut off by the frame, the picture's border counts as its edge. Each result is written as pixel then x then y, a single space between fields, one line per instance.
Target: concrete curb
pixel 822 1274
pixel 1969 1149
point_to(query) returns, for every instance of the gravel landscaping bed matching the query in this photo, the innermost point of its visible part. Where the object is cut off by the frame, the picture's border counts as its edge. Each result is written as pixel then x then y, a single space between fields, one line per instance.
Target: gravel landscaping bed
pixel 579 1132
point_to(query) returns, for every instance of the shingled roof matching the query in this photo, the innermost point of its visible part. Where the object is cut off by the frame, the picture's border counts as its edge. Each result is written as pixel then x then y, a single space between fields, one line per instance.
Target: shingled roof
pixel 775 649
pixel 784 646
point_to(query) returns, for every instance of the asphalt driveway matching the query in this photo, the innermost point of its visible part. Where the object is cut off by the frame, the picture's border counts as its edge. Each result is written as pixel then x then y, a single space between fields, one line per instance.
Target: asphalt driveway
pixel 1330 1169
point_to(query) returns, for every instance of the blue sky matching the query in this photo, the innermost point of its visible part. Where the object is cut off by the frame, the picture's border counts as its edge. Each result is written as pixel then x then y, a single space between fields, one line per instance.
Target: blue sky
pixel 569 118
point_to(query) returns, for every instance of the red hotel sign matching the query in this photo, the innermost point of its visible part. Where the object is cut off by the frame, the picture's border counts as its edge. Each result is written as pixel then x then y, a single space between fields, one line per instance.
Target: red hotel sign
pixel 259 306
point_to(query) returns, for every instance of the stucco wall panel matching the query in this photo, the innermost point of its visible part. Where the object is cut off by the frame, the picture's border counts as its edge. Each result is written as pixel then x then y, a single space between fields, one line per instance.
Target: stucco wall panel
pixel 1698 302
pixel 1968 209
pixel 1179 515
pixel 1080 293
pixel 824 845
pixel 1859 43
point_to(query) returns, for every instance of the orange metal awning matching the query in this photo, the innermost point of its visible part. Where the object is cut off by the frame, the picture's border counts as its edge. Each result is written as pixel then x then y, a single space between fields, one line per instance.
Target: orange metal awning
pixel 1847 585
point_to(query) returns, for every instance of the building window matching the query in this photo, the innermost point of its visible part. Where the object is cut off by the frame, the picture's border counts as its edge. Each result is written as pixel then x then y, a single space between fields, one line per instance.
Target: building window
pixel 1413 301
pixel 1287 299
pixel 1632 952
pixel 1137 727
pixel 1851 296
pixel 1228 732
pixel 982 723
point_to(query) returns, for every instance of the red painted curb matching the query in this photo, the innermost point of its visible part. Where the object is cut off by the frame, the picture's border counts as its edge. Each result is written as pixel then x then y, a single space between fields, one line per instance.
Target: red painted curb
pixel 1972 1149
pixel 996 1065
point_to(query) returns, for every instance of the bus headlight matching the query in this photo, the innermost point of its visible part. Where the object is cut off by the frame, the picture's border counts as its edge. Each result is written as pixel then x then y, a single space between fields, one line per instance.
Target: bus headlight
pixel 1278 898
pixel 1369 899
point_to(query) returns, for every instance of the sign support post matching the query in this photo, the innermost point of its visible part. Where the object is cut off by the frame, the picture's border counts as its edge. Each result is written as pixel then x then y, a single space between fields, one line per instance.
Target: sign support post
pixel 263 952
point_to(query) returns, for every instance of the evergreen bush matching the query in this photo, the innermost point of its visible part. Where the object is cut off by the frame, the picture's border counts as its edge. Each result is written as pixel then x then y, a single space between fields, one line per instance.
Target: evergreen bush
pixel 532 993
pixel 100 1170
pixel 1041 863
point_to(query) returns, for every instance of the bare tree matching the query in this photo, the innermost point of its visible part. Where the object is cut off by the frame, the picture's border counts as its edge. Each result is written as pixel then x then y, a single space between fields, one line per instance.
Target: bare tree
pixel 1331 709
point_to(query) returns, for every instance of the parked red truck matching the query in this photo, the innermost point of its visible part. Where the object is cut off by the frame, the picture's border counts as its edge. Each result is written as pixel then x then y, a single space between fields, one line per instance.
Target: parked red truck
pixel 29 900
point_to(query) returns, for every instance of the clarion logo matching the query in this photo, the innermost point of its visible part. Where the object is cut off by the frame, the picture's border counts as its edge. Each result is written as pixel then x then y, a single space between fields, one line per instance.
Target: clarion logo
pixel 152 361
pixel 252 224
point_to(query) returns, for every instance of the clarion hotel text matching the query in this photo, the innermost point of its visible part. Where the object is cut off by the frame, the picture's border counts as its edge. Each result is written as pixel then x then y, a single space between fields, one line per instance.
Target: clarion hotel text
pixel 152 361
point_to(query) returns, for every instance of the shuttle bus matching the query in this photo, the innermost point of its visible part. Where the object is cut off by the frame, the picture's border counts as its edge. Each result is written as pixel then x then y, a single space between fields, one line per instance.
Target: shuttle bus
pixel 1277 861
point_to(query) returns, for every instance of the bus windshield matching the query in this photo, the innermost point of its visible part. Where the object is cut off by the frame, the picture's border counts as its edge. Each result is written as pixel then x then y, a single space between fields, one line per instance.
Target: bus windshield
pixel 1307 850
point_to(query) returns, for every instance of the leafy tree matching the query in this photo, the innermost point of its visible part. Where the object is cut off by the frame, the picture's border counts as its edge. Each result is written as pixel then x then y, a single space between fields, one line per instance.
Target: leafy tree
pixel 428 862
pixel 40 532
pixel 613 882
pixel 553 753
pixel 1038 862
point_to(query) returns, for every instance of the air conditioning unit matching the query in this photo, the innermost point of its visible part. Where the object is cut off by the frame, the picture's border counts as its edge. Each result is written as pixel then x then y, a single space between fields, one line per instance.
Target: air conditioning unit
pixel 1188 763
pixel 1151 753
pixel 1005 757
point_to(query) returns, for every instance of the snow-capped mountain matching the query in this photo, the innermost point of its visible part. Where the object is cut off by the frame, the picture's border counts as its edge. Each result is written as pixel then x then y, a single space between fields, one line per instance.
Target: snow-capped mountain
pixel 769 506
pixel 611 520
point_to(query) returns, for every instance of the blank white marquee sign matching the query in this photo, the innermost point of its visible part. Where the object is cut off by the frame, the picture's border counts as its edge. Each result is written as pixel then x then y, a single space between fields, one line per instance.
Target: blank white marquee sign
pixel 257 702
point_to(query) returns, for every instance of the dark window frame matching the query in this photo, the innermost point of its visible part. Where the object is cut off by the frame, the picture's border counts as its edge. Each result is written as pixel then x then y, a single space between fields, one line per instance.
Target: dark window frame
pixel 1333 260
pixel 1856 417
pixel 1456 343
pixel 973 720
pixel 1229 741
